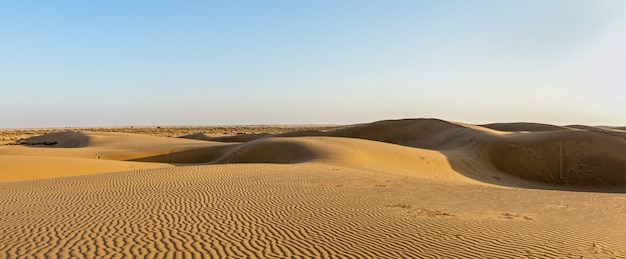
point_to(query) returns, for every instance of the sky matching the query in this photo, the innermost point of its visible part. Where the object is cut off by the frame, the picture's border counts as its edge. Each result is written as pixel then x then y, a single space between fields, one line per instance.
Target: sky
pixel 132 63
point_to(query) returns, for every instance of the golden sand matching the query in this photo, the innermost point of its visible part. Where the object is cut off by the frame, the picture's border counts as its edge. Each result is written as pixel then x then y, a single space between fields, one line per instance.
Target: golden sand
pixel 408 188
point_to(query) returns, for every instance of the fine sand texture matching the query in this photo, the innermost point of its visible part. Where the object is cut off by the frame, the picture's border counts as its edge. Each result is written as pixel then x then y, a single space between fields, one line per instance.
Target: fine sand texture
pixel 415 188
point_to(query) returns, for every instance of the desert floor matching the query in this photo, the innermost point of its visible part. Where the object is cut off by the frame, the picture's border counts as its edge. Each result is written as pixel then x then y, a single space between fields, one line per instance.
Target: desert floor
pixel 418 188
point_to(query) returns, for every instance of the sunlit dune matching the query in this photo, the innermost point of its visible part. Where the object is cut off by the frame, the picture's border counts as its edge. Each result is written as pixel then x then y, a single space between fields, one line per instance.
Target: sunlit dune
pixel 389 189
pixel 15 168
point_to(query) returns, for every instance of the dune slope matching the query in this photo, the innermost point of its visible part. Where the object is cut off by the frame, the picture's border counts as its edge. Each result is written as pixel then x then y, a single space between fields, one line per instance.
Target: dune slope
pixel 16 168
pixel 307 210
pixel 527 154
pixel 540 155
pixel 121 147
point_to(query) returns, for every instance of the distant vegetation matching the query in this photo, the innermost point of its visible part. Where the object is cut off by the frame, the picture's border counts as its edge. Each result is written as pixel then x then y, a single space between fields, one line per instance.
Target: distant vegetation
pixel 32 143
pixel 16 136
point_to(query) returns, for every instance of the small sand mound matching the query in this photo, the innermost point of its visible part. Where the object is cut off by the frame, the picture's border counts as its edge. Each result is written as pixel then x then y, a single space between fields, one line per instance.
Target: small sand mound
pixel 274 150
pixel 59 139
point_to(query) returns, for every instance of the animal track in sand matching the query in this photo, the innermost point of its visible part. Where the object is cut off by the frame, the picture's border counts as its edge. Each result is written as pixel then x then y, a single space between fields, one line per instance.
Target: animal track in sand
pixel 415 211
pixel 507 215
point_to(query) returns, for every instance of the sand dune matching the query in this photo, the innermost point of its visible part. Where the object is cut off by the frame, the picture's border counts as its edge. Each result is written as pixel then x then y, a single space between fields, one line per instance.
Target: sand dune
pixel 568 158
pixel 60 139
pixel 533 155
pixel 558 157
pixel 15 168
pixel 399 188
pixel 347 152
pixel 120 146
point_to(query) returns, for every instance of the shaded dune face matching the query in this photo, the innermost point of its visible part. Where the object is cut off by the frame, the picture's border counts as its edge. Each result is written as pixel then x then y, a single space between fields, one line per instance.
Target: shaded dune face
pixel 61 140
pixel 275 150
pixel 539 154
pixel 195 155
pixel 421 133
pixel 432 134
pixel 571 158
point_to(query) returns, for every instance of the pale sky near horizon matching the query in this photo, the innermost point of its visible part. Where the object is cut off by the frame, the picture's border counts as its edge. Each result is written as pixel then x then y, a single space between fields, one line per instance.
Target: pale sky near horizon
pixel 122 63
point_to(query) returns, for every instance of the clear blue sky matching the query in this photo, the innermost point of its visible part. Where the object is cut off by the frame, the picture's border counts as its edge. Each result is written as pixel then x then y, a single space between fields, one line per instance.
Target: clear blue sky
pixel 107 63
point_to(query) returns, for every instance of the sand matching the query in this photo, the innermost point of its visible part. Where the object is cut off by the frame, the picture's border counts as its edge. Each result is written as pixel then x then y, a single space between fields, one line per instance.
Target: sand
pixel 419 188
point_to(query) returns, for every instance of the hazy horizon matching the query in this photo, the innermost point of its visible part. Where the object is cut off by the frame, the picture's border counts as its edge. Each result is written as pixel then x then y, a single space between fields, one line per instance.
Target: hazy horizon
pixel 289 124
pixel 160 63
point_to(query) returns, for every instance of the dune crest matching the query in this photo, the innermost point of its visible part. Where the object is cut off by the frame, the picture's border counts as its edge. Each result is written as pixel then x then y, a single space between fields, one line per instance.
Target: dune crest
pixel 516 154
pixel 524 126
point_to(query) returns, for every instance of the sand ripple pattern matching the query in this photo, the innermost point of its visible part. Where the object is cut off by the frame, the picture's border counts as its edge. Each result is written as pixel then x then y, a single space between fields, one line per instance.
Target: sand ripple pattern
pixel 289 211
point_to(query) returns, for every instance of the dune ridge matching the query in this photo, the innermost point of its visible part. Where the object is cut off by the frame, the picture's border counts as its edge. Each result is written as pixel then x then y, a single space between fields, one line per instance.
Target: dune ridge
pixel 527 154
pixel 560 157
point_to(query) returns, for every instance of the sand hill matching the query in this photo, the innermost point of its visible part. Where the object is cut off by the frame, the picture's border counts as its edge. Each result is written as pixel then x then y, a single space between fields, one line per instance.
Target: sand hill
pixel 398 188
